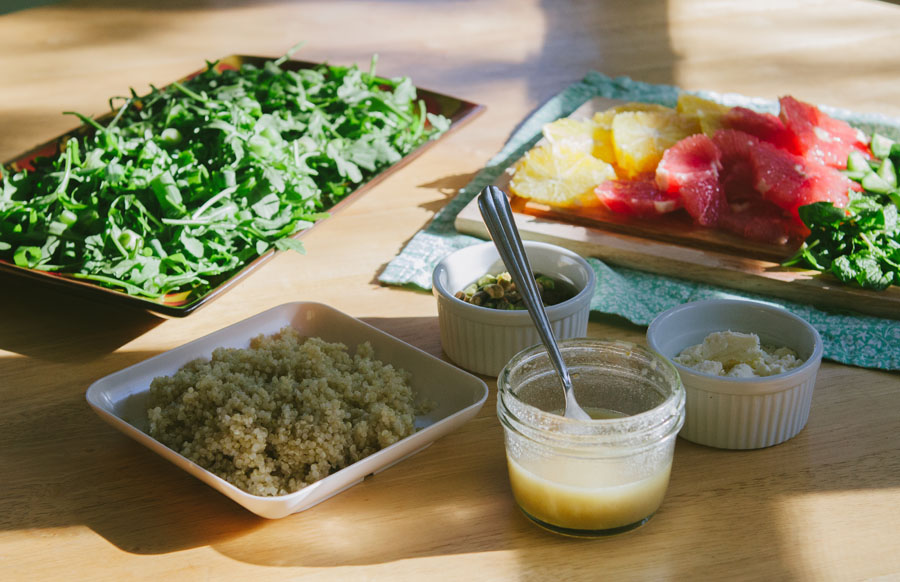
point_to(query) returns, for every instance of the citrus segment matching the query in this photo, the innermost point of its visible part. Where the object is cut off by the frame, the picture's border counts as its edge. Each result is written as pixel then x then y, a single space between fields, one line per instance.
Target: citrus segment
pixel 764 126
pixel 603 146
pixel 690 169
pixel 687 160
pixel 559 176
pixel 572 133
pixel 636 197
pixel 603 120
pixel 760 220
pixel 708 113
pixel 819 137
pixel 641 137
pixel 791 181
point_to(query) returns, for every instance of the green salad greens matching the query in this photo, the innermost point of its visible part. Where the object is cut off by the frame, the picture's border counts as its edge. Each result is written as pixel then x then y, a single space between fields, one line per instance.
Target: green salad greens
pixel 189 183
pixel 858 244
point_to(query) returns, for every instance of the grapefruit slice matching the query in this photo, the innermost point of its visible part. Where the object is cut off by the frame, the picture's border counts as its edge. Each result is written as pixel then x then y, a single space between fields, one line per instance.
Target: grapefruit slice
pixel 735 145
pixel 791 181
pixel 686 161
pixel 704 199
pixel 759 220
pixel 764 126
pixel 737 173
pixel 636 197
pixel 690 169
pixel 818 136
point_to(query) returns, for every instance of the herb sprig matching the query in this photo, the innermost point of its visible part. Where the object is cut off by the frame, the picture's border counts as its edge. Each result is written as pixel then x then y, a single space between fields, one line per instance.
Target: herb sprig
pixel 858 244
pixel 191 182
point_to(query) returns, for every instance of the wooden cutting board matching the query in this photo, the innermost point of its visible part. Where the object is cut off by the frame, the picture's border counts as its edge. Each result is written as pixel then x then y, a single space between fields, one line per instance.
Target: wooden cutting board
pixel 673 246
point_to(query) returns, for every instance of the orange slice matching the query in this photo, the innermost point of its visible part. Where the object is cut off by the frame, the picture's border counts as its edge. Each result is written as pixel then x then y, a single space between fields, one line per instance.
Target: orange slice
pixel 604 118
pixel 641 137
pixel 603 143
pixel 708 113
pixel 575 134
pixel 560 176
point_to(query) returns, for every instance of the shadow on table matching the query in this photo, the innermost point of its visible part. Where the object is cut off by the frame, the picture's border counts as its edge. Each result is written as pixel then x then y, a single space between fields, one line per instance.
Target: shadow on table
pixel 457 503
pixel 71 469
pixel 422 332
pixel 448 186
pixel 39 320
pixel 443 509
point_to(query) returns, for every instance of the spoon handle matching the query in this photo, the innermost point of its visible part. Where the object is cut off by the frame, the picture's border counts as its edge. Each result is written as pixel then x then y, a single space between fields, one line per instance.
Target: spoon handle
pixel 498 218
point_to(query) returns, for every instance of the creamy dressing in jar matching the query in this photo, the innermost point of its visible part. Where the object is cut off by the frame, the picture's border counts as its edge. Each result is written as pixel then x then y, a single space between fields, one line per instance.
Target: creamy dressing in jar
pixel 575 502
pixel 594 477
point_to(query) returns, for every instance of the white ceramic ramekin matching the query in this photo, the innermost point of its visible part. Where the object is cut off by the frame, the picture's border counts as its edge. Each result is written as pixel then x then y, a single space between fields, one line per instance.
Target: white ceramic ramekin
pixel 740 413
pixel 483 340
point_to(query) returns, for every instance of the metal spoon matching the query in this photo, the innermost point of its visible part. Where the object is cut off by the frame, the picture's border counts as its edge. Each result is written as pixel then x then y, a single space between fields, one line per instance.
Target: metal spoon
pixel 498 217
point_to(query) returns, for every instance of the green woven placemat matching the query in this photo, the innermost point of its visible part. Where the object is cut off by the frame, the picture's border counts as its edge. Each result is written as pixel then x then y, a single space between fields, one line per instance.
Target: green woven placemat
pixel 638 296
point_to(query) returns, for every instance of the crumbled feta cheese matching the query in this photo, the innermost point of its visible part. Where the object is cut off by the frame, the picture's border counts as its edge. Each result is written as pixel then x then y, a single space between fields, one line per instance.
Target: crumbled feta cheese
pixel 737 355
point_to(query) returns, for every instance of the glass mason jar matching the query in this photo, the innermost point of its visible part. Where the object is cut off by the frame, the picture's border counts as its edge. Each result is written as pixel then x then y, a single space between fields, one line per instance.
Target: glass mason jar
pixel 597 477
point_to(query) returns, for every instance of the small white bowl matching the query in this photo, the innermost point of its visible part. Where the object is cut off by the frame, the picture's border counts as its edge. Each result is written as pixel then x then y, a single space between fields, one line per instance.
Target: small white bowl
pixel 482 339
pixel 740 413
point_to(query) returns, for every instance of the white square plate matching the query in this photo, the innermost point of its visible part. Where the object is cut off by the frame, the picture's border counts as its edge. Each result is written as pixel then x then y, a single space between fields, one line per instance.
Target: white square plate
pixel 121 397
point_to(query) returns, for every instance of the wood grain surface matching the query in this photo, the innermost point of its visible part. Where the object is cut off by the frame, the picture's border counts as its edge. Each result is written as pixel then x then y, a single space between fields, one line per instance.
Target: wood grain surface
pixel 80 501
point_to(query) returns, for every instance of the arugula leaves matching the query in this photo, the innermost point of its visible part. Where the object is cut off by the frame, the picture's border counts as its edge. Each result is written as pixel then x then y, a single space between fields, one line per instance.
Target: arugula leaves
pixel 189 183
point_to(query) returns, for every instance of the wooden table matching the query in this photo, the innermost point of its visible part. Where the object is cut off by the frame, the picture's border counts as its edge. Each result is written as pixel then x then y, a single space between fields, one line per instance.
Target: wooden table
pixel 80 501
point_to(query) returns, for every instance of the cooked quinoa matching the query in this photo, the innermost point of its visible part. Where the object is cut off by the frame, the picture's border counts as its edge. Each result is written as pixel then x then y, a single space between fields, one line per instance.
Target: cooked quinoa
pixel 283 413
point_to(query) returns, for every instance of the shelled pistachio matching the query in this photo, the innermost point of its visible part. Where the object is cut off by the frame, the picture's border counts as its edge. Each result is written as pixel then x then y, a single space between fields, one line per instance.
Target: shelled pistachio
pixel 499 291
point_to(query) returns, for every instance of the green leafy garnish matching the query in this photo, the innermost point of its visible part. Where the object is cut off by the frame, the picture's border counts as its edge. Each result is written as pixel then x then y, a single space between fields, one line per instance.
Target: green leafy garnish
pixel 858 244
pixel 189 183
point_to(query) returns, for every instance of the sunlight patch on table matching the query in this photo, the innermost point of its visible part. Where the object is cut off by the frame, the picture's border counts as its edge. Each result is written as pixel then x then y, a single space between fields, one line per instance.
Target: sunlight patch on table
pixel 807 522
